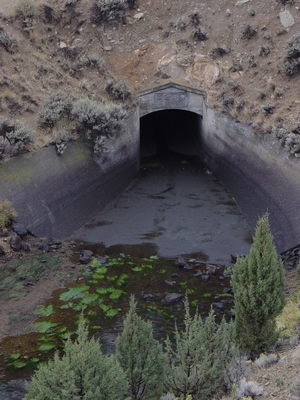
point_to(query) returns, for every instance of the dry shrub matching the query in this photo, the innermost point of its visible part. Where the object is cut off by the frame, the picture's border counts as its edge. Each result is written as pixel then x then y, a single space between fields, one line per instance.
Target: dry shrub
pixel 25 9
pixel 271 83
pixel 289 318
pixel 234 113
pixel 7 212
pixel 8 95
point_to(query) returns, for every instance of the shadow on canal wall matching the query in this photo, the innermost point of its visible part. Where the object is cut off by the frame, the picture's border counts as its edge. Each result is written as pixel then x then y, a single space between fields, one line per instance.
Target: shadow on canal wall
pixel 55 195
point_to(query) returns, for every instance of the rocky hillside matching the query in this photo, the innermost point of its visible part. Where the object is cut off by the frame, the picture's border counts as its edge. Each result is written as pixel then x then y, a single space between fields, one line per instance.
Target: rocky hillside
pixel 244 54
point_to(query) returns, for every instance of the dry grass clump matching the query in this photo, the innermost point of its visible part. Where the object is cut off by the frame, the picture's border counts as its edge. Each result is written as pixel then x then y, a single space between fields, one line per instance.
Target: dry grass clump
pixel 289 318
pixel 7 212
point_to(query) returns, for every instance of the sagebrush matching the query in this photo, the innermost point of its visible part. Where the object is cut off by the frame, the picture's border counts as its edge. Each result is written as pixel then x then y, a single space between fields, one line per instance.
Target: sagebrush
pixel 83 372
pixel 108 11
pixel 292 64
pixel 57 107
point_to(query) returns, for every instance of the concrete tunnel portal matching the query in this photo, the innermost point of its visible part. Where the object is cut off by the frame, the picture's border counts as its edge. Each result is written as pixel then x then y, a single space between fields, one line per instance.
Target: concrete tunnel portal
pixel 170 120
pixel 171 130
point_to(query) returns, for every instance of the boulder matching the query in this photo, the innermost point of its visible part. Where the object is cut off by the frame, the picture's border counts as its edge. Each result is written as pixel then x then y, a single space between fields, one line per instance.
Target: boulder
pixel 170 283
pixel 15 242
pixel 53 241
pixel 25 247
pixel 198 273
pixel 199 70
pixel 2 251
pixel 44 248
pixel 180 262
pixel 150 297
pixel 173 297
pixel 102 260
pixel 286 18
pixel 211 269
pixel 20 229
pixel 205 278
pixel 85 256
pixel 218 306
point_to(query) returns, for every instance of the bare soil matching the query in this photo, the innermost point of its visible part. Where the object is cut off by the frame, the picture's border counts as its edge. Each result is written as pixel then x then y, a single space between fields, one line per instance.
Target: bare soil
pixel 131 51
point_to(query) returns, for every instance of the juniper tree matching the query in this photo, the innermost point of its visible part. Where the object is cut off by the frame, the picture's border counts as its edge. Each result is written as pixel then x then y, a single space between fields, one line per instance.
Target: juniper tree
pixel 141 357
pixel 203 350
pixel 83 372
pixel 258 284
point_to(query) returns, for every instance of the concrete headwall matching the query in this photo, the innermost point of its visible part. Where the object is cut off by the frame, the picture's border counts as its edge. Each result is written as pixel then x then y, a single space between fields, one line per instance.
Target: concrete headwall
pixel 54 195
pixel 258 172
pixel 171 96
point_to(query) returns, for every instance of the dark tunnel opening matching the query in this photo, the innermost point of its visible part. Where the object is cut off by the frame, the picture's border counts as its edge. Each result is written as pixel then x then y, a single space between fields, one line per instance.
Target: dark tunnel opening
pixel 170 131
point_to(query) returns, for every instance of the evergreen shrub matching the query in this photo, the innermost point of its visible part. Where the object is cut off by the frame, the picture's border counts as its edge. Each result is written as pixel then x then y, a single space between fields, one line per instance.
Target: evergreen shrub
pixel 203 351
pixel 83 372
pixel 141 357
pixel 258 285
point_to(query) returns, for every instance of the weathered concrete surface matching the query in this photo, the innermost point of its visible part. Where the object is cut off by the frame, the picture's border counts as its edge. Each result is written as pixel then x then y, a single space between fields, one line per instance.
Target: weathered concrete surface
pixel 258 172
pixel 171 96
pixel 177 206
pixel 54 195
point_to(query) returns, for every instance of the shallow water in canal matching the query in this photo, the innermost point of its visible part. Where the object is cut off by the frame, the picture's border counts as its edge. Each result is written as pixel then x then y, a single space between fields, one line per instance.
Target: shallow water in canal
pixel 177 205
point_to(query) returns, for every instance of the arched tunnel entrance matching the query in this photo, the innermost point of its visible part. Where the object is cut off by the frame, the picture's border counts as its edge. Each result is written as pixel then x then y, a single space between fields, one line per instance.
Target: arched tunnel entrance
pixel 170 131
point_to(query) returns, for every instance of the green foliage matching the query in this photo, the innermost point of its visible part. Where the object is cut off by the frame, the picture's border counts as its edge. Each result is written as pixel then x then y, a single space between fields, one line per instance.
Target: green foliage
pixel 14 361
pixel 22 271
pixel 57 107
pixel 141 357
pixel 203 350
pixel 6 213
pixel 258 284
pixel 83 372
